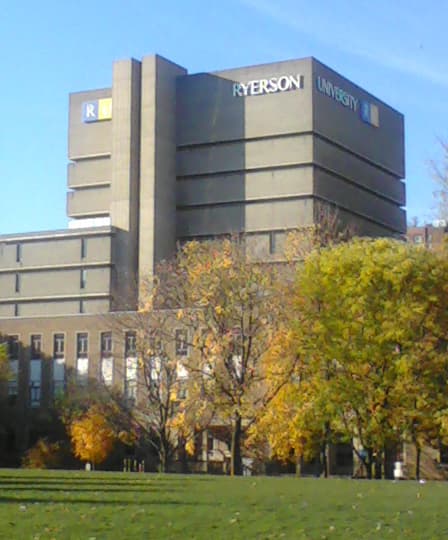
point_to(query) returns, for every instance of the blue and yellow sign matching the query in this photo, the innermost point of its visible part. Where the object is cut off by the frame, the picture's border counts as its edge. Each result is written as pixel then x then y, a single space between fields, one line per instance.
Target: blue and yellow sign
pixel 97 110
pixel 370 114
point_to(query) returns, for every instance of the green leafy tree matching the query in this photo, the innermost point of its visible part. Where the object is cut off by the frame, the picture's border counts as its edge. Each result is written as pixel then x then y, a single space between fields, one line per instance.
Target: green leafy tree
pixel 369 330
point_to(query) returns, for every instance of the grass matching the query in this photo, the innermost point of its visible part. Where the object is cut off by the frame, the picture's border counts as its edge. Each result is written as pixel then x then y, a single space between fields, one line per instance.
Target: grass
pixel 41 505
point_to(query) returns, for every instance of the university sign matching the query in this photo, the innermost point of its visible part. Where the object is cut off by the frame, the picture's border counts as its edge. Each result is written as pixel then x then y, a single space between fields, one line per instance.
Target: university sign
pixel 273 85
pixel 368 112
pixel 97 110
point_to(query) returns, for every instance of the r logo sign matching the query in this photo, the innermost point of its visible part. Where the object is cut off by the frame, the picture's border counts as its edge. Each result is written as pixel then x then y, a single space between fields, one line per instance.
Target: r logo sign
pixel 97 110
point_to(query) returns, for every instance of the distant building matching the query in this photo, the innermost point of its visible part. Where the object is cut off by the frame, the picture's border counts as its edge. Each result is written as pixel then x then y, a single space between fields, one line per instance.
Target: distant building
pixel 163 157
pixel 431 236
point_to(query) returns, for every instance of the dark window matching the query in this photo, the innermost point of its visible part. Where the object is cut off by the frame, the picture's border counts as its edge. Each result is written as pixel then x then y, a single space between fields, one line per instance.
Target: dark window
pixel 83 278
pixel 83 248
pixel 13 347
pixel 271 242
pixel 16 310
pixel 17 284
pixel 106 343
pixel 81 306
pixel 58 346
pixel 82 345
pixel 130 344
pixel 36 346
pixel 181 342
pixel 155 345
pixel 18 252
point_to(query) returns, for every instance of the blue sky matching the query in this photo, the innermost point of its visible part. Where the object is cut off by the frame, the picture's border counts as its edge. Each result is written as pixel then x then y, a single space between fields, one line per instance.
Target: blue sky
pixel 395 50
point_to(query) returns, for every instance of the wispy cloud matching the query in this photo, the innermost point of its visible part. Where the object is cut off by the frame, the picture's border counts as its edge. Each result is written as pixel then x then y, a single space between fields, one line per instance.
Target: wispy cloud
pixel 342 34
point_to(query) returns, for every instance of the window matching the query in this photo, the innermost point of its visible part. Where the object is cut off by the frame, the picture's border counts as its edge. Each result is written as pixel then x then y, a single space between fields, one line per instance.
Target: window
pixel 17 283
pixel 155 346
pixel 418 239
pixel 107 370
pixel 16 310
pixel 82 345
pixel 83 248
pixel 81 306
pixel 181 342
pixel 35 381
pixel 130 389
pixel 13 347
pixel 13 356
pixel 82 369
pixel 83 278
pixel 82 360
pixel 58 345
pixel 18 252
pixel 271 242
pixel 130 345
pixel 36 346
pixel 58 364
pixel 13 381
pixel 58 376
pixel 106 343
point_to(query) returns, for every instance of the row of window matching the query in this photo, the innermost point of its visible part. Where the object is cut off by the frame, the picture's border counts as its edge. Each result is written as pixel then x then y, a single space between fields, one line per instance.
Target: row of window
pixel 83 250
pixel 82 362
pixel 82 344
pixel 82 280
pixel 58 381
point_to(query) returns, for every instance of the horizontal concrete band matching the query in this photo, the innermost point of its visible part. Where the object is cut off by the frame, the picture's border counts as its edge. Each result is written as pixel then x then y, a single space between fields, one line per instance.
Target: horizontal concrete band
pixel 54 298
pixel 43 268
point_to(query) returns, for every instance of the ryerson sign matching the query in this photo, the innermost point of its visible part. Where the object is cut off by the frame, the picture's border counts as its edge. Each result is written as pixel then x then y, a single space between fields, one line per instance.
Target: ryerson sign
pixel 268 86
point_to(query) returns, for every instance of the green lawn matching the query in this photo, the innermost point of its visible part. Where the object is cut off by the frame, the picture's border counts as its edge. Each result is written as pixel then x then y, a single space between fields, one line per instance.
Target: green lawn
pixel 77 505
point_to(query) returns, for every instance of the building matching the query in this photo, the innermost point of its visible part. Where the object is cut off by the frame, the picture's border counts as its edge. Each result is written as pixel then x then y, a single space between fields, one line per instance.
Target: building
pixel 431 236
pixel 162 157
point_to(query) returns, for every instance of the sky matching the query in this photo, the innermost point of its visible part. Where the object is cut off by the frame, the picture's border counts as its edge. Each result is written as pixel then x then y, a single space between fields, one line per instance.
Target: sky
pixel 396 50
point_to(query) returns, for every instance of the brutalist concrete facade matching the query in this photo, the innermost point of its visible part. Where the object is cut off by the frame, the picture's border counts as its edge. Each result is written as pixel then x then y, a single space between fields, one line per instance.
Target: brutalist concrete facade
pixel 163 157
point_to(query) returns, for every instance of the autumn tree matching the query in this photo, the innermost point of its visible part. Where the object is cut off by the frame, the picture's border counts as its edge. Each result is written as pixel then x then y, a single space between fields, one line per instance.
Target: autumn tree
pixel 368 329
pixel 92 436
pixel 95 418
pixel 165 422
pixel 231 305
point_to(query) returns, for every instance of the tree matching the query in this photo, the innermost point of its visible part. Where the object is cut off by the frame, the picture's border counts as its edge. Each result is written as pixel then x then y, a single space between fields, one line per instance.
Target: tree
pixel 232 305
pixel 165 421
pixel 440 175
pixel 368 329
pixel 92 436
pixel 95 418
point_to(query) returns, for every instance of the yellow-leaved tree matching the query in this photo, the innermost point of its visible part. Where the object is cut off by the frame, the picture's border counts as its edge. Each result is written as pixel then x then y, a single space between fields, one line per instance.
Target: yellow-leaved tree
pixel 368 329
pixel 232 306
pixel 92 435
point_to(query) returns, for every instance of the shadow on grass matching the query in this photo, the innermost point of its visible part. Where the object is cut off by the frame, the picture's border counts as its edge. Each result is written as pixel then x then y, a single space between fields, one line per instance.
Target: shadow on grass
pixel 98 488
pixel 99 502
pixel 90 487
pixel 133 478
pixel 94 486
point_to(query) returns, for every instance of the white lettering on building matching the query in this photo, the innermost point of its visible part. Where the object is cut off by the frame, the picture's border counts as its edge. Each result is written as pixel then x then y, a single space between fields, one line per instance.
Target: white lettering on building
pixel 338 94
pixel 268 86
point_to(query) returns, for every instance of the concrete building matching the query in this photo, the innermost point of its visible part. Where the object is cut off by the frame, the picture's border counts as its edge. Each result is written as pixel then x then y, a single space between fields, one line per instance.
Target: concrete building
pixel 162 157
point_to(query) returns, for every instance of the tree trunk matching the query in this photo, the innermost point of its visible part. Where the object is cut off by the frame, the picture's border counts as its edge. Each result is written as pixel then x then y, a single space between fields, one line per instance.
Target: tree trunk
pixel 378 467
pixel 164 455
pixel 368 464
pixel 236 465
pixel 418 454
pixel 325 460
